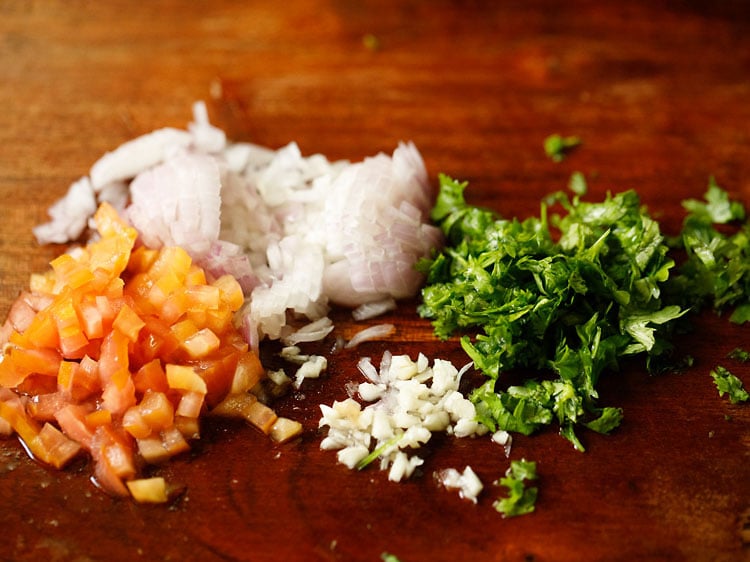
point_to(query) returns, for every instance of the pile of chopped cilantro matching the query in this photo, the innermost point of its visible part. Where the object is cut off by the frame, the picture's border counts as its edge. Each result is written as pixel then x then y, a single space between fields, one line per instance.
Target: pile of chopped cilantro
pixel 568 294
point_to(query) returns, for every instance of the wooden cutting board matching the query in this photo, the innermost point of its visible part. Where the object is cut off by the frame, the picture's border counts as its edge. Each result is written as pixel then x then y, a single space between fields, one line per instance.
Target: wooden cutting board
pixel 657 90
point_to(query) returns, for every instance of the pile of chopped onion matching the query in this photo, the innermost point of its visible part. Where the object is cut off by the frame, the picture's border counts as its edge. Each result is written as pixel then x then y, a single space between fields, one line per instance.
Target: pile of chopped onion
pixel 408 401
pixel 298 232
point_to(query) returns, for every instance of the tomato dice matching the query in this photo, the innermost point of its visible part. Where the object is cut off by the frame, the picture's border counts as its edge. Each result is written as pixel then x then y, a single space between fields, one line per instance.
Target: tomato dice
pixel 117 350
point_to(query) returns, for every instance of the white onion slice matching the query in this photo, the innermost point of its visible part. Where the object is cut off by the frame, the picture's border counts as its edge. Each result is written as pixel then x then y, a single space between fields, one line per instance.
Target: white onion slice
pixel 378 331
pixel 70 215
pixel 137 155
pixel 314 331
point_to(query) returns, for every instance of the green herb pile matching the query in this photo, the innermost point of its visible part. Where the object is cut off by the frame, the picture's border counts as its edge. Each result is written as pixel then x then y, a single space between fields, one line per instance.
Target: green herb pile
pixel 572 292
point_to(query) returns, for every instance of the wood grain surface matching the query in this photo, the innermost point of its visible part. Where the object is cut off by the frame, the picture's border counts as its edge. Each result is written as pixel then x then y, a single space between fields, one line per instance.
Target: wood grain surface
pixel 658 90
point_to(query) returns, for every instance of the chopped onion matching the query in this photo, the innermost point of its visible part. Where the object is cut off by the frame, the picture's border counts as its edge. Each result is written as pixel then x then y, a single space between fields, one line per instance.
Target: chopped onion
pixel 505 439
pixel 177 203
pixel 467 483
pixel 70 215
pixel 313 331
pixel 375 332
pixel 370 310
pixel 298 232
pixel 136 156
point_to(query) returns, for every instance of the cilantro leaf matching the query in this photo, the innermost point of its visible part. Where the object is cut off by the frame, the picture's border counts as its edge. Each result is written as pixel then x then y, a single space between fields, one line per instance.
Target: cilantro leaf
pixel 717 207
pixel 609 419
pixel 577 183
pixel 556 146
pixel 728 383
pixel 520 499
pixel 739 354
pixel 716 271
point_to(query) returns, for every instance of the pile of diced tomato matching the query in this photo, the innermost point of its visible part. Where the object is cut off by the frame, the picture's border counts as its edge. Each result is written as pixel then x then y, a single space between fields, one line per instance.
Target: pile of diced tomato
pixel 117 351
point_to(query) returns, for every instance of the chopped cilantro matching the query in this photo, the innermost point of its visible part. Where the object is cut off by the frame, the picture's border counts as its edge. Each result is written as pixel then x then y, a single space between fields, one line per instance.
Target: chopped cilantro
pixel 717 208
pixel 729 384
pixel 564 308
pixel 557 146
pixel 716 271
pixel 739 354
pixel 577 183
pixel 520 499
pixel 562 297
pixel 378 451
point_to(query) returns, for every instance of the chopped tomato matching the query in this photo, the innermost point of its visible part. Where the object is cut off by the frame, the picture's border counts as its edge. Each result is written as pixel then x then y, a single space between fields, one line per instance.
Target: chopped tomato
pixel 113 458
pixel 157 411
pixel 72 419
pixel 19 362
pixel 118 350
pixel 59 448
pixel 185 378
pixel 191 404
pixel 149 490
pixel 43 406
pixel 21 315
pixel 128 322
pixel 80 379
pixel 151 376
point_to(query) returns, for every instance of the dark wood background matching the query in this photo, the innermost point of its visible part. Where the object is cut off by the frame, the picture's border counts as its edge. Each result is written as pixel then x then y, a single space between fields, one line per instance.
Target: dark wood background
pixel 659 91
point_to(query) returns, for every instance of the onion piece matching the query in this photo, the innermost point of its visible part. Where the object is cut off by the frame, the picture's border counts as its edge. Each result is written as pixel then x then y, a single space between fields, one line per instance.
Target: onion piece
pixel 375 332
pixel 467 483
pixel 148 490
pixel 177 203
pixel 373 309
pixel 137 155
pixel 70 215
pixel 285 429
pixel 314 331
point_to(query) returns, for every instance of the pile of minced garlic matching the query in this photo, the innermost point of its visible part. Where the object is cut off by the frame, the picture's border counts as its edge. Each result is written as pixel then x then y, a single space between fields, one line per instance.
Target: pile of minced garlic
pixel 407 401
